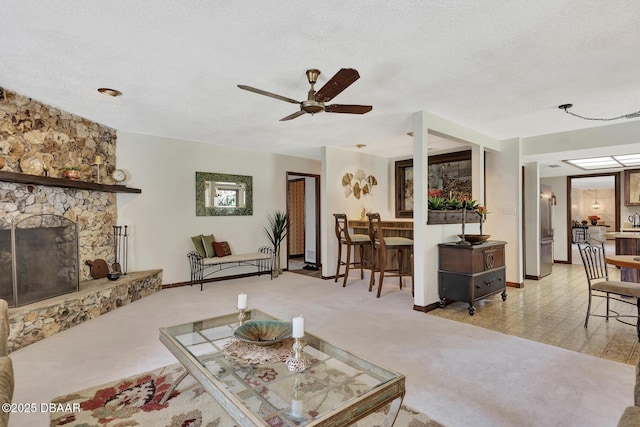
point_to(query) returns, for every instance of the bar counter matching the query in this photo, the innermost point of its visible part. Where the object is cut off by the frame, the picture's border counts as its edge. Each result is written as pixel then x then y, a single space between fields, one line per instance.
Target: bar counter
pixel 389 228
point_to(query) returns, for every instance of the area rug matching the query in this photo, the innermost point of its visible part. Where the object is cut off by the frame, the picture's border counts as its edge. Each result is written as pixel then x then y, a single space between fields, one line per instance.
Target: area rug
pixel 135 401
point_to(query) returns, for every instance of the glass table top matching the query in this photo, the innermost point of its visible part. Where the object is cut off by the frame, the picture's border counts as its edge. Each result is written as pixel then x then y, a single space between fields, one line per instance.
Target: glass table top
pixel 268 393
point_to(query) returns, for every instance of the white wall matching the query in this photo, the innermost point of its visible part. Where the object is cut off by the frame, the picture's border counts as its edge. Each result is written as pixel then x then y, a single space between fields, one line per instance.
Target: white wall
pixel 162 219
pixel 614 137
pixel 427 237
pixel 504 202
pixel 336 162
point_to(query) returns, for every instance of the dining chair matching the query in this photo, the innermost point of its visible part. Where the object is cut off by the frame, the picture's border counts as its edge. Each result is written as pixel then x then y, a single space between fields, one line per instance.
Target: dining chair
pixel 348 241
pixel 593 259
pixel 381 246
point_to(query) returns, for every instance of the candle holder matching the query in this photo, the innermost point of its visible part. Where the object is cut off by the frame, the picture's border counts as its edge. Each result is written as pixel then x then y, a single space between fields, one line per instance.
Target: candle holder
pixel 297 362
pixel 97 161
pixel 242 315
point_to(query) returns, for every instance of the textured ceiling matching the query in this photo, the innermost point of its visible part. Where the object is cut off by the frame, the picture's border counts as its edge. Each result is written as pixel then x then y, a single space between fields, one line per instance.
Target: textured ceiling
pixel 499 67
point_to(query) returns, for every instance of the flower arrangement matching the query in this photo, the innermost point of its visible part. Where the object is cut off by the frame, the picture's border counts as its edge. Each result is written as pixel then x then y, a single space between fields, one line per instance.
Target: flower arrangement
pixel 594 219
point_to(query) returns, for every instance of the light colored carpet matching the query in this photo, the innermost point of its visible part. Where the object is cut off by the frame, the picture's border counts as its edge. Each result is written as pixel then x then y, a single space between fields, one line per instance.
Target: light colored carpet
pixel 458 374
pixel 136 401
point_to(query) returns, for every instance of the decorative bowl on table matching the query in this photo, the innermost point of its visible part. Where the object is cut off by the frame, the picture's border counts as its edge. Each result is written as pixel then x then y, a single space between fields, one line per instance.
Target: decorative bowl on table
pixel 263 332
pixel 475 239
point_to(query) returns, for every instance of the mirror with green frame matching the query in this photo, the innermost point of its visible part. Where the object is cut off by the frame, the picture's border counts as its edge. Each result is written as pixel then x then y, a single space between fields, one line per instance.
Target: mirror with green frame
pixel 220 194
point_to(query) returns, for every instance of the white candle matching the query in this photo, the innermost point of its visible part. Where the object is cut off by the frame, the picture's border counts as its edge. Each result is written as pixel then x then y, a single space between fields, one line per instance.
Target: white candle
pixel 298 327
pixel 242 301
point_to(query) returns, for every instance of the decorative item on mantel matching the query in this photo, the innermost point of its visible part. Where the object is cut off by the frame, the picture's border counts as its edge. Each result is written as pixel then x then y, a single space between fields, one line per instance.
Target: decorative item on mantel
pixel 97 161
pixel 594 219
pixel 71 172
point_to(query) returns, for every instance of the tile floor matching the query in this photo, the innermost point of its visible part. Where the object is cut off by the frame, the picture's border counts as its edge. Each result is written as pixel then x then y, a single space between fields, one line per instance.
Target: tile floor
pixel 552 311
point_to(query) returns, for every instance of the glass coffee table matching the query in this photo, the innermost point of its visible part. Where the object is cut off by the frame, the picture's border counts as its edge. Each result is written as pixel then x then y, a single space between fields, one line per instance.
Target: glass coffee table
pixel 337 388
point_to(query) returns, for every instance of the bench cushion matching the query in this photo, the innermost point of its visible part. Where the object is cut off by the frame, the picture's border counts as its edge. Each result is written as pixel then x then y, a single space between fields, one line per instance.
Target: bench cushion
pixel 235 258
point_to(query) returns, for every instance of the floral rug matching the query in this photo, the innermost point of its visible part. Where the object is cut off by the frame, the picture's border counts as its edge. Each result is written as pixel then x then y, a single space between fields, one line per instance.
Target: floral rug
pixel 135 401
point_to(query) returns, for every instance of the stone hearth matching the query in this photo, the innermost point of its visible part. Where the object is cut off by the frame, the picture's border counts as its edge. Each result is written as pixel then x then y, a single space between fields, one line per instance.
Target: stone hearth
pixel 34 322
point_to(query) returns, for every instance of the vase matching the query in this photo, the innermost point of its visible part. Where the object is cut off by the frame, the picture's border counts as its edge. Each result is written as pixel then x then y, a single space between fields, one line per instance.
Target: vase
pixel 276 263
pixel 594 222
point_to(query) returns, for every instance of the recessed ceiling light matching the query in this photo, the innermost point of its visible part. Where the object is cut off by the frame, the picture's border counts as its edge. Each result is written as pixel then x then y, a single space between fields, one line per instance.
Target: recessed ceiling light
pixel 595 163
pixel 628 159
pixel 606 162
pixel 109 92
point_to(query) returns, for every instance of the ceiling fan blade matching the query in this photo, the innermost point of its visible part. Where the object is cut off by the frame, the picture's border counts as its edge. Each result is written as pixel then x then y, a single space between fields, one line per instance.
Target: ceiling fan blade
pixel 336 84
pixel 351 109
pixel 292 116
pixel 269 94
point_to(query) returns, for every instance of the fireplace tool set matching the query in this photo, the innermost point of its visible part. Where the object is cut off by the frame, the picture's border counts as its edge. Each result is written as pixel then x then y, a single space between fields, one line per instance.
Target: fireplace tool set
pixel 120 243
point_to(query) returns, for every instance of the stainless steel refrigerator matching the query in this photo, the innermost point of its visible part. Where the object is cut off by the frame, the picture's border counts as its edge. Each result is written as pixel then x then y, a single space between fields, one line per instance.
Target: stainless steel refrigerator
pixel 546 230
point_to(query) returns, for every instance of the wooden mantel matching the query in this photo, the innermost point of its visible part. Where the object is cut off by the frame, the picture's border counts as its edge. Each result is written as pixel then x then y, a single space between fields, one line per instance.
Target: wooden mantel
pixel 23 178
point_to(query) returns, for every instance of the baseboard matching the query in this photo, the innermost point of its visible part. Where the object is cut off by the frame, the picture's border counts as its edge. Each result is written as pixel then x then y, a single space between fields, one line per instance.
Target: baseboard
pixel 426 308
pixel 515 285
pixel 560 262
pixel 529 276
pixel 214 279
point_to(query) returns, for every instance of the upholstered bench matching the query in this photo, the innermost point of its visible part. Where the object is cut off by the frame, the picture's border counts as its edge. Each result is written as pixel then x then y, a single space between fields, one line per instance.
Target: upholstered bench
pixel 211 257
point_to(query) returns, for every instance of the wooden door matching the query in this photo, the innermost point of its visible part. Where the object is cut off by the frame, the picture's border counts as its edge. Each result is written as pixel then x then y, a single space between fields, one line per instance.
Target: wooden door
pixel 296 218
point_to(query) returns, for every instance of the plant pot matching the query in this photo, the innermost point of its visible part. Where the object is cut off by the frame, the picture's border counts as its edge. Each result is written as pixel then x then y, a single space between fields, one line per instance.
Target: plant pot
pixel 451 217
pixel 71 174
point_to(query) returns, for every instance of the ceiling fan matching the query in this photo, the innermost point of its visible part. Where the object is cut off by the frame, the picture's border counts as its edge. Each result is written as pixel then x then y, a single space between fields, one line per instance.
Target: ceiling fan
pixel 315 102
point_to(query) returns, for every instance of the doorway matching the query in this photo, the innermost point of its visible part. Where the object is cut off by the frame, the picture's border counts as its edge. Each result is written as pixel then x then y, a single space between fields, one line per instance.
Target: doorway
pixel 592 198
pixel 303 209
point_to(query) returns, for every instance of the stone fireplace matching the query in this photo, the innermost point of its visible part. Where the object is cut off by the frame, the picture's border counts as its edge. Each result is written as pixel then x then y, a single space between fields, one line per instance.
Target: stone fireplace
pixel 29 128
pixel 41 252
pixel 38 207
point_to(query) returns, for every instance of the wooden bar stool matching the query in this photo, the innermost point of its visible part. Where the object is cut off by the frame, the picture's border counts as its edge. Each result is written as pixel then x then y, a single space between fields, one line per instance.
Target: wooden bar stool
pixel 380 246
pixel 349 240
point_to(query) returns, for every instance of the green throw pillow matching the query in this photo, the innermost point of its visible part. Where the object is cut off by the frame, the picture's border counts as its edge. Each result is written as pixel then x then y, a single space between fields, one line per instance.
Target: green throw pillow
pixel 207 242
pixel 199 247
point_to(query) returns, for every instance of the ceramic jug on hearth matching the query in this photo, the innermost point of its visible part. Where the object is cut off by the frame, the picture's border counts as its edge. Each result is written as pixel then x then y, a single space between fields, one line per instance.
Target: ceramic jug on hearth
pixel 635 219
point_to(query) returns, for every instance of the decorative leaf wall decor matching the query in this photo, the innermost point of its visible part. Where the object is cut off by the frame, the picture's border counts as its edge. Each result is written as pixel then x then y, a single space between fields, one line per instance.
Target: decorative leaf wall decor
pixel 358 184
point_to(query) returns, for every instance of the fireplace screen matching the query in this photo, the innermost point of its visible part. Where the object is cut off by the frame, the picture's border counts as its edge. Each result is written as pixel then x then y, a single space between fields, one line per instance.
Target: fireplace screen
pixel 38 259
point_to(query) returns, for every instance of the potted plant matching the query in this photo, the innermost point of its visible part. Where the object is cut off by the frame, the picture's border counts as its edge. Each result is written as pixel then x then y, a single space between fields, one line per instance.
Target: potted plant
pixel 276 232
pixel 444 210
pixel 71 172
